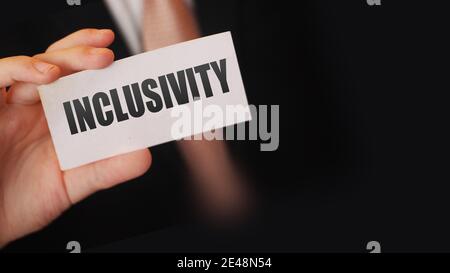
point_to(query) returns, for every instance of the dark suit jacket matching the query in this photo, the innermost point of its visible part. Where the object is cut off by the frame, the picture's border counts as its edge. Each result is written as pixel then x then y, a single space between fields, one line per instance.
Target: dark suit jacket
pixel 363 95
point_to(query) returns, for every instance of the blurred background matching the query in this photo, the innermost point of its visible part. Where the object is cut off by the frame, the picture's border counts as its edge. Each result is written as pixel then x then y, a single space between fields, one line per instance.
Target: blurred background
pixel 364 143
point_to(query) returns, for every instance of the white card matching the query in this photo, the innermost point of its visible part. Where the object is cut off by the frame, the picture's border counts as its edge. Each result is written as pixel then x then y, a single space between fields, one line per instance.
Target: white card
pixel 96 114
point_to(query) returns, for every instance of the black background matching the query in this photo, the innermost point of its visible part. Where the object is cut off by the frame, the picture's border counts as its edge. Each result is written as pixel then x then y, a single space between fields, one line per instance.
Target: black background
pixel 363 95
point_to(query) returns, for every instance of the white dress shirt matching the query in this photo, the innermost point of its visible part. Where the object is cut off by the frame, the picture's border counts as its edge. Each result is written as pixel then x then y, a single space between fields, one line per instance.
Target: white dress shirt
pixel 128 17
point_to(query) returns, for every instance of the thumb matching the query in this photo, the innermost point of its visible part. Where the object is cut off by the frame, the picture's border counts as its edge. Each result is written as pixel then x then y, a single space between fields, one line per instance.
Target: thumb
pixel 86 180
pixel 26 69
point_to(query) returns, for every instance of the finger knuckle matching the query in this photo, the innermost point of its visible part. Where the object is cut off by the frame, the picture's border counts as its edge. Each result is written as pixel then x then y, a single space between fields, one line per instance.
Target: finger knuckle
pixel 22 59
pixel 51 47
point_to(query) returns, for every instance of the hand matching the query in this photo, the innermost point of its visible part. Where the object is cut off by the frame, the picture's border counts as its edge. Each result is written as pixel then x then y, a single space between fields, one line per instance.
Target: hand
pixel 33 189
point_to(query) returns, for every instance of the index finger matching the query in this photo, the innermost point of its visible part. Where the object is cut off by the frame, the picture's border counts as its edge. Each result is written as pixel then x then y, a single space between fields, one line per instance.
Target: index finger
pixel 86 37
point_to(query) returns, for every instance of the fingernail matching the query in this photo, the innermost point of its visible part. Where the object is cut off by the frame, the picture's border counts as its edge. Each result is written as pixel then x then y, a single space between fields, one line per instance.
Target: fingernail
pixel 43 67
